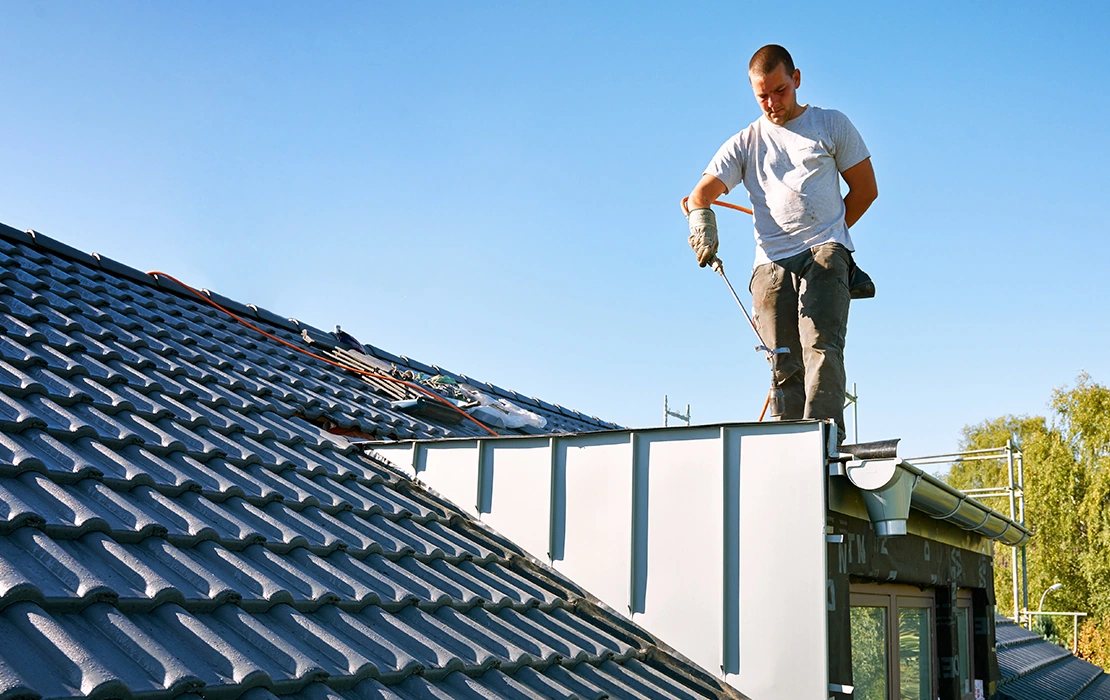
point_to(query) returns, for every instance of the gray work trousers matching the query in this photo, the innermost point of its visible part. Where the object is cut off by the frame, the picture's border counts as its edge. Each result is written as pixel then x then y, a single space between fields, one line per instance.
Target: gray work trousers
pixel 801 303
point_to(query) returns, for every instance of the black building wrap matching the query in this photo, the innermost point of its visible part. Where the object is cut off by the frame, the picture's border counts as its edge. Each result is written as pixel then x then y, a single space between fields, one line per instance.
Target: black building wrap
pixel 864 557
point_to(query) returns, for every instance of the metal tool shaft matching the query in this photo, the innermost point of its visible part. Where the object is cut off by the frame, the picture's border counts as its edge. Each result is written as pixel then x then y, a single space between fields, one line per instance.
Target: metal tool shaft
pixel 719 268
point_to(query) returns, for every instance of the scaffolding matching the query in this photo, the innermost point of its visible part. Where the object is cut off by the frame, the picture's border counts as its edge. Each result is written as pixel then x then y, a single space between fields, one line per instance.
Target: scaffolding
pixel 851 398
pixel 1014 491
pixel 667 412
pixel 1029 615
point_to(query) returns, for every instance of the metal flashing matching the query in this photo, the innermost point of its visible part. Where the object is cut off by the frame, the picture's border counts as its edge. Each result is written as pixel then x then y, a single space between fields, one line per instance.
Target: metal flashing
pixel 670 526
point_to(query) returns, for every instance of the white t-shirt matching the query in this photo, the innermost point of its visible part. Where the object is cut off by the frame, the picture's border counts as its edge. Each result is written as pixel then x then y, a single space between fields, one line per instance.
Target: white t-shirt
pixel 792 174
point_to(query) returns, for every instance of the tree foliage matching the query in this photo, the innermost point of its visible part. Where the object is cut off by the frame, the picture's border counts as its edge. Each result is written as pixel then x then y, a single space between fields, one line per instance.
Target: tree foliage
pixel 1067 494
pixel 1094 641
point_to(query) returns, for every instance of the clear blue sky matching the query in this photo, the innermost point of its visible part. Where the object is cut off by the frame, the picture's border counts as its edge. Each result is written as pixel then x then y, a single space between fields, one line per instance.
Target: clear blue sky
pixel 494 187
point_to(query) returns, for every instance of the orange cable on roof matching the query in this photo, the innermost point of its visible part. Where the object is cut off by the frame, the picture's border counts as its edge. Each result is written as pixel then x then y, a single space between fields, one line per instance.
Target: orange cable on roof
pixel 356 370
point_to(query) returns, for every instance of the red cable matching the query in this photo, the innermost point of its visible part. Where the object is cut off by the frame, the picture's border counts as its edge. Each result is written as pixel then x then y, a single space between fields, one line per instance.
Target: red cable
pixel 356 370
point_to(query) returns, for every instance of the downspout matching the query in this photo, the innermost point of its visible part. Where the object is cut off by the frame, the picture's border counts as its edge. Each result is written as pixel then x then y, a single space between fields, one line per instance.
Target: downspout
pixel 886 487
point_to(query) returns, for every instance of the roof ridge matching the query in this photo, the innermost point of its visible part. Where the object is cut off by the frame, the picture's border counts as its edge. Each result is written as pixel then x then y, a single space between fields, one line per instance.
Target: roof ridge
pixel 1022 641
pixel 37 239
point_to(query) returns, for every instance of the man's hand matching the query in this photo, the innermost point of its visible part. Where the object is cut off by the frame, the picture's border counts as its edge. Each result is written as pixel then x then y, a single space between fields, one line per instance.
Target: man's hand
pixel 703 223
pixel 862 190
pixel 703 234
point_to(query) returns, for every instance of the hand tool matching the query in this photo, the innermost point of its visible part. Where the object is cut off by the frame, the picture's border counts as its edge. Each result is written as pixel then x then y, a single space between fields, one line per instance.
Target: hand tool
pixel 775 398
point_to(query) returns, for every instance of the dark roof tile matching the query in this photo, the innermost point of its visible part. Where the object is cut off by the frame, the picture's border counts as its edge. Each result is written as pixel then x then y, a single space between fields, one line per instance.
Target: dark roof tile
pixel 19 331
pixel 18 354
pixel 1099 689
pixel 64 365
pixel 62 461
pixel 78 389
pixel 1034 669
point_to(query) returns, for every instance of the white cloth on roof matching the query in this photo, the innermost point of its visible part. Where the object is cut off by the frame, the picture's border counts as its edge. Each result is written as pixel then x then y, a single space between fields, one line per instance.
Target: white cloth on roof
pixel 792 176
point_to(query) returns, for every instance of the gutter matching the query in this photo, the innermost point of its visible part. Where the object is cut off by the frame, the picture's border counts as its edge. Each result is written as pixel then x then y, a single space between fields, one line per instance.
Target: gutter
pixel 890 486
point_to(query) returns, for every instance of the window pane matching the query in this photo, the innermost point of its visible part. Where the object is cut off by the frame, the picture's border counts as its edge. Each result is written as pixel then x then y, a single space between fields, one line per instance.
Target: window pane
pixel 915 658
pixel 869 653
pixel 963 630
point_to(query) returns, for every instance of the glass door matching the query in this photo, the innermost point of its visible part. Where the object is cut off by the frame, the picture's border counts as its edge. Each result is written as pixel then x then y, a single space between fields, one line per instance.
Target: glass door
pixel 915 648
pixel 965 636
pixel 870 641
pixel 893 642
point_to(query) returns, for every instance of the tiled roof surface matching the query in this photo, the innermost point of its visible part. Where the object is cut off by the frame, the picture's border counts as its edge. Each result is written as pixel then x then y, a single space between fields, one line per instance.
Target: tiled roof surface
pixel 175 520
pixel 1035 669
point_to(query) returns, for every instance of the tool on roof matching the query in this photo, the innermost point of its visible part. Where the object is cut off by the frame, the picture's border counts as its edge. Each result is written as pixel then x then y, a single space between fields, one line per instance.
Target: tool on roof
pixel 348 341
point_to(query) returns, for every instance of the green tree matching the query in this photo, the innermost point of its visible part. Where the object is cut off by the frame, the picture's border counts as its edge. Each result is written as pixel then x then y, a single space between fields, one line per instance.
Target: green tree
pixel 1085 414
pixel 1067 491
pixel 979 474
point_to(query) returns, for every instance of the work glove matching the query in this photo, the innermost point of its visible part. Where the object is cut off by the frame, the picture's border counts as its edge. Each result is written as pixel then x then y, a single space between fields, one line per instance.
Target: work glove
pixel 703 234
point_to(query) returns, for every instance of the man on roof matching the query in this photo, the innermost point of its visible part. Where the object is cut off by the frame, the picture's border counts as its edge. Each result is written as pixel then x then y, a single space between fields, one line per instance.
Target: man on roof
pixel 791 160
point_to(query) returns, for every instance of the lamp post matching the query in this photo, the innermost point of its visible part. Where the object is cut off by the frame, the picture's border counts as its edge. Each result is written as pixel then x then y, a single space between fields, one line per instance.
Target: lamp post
pixel 1053 587
pixel 1040 608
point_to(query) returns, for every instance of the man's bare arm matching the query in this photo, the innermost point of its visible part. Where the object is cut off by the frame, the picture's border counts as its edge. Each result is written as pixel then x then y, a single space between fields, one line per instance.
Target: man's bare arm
pixel 708 189
pixel 862 190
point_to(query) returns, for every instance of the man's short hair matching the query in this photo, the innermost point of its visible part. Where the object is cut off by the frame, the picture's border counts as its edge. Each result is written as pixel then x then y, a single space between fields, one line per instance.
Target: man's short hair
pixel 768 58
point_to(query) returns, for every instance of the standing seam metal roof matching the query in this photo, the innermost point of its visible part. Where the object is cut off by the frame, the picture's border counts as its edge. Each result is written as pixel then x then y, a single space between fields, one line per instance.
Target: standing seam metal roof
pixel 174 522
